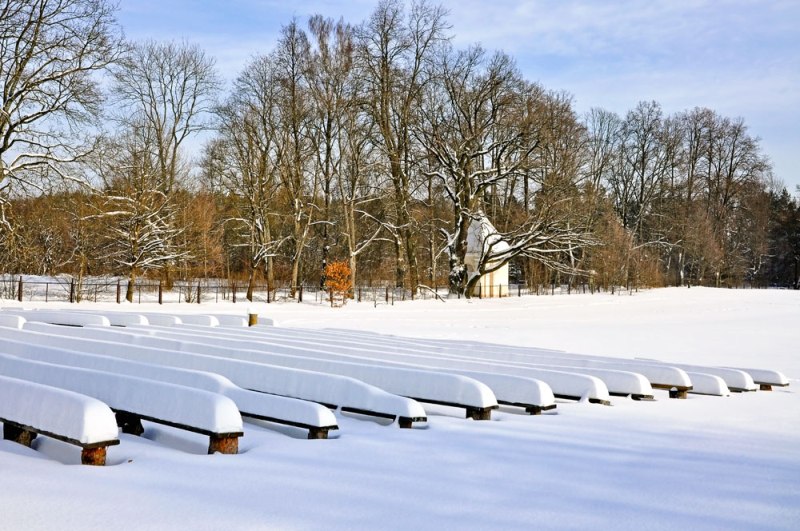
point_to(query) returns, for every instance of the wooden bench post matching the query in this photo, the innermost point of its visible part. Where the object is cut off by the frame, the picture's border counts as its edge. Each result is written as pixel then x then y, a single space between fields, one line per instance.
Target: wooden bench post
pixel 18 434
pixel 318 433
pixel 224 443
pixel 129 423
pixel 764 387
pixel 93 456
pixel 404 422
pixel 679 393
pixel 479 413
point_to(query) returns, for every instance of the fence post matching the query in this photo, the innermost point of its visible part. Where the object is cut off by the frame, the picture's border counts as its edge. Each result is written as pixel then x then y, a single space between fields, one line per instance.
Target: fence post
pixel 72 291
pixel 234 293
pixel 46 291
pixel 198 292
pixel 161 293
pixel 19 290
pixel 118 289
pixel 387 294
pixel 359 294
pixel 300 298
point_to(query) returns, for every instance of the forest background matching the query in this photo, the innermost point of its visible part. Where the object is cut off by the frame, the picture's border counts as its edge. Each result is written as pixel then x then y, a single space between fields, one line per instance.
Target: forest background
pixel 376 142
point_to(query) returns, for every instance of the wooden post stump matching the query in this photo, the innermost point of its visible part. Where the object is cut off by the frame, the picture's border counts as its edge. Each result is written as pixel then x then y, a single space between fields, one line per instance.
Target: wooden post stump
pixel 252 319
pixel 680 394
pixel 478 413
pixel 404 422
pixel 93 456
pixel 318 433
pixel 129 423
pixel 224 444
pixel 18 434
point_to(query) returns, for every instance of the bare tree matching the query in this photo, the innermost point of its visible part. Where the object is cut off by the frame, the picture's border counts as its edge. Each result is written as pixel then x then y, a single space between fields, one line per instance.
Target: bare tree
pixel 393 54
pixel 138 215
pixel 247 169
pixel 298 174
pixel 330 82
pixel 165 92
pixel 49 53
pixel 168 87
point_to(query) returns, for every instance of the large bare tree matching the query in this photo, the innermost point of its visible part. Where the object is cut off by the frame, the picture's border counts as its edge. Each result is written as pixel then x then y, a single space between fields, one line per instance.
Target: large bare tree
pixel 394 49
pixel 482 127
pixel 50 51
pixel 165 92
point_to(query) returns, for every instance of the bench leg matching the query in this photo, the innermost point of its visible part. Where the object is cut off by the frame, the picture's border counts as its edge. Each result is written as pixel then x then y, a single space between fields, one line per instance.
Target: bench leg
pixel 533 410
pixel 18 435
pixel 318 433
pixel 129 423
pixel 765 387
pixel 94 456
pixel 223 444
pixel 478 413
pixel 682 394
pixel 404 422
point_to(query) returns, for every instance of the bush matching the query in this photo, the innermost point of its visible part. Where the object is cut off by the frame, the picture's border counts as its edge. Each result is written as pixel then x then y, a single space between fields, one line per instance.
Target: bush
pixel 337 282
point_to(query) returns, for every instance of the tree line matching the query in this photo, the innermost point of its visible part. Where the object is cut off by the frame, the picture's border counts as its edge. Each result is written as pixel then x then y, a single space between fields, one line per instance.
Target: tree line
pixel 378 143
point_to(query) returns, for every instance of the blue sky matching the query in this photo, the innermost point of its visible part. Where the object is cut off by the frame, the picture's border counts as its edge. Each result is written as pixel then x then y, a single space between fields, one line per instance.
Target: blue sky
pixel 738 57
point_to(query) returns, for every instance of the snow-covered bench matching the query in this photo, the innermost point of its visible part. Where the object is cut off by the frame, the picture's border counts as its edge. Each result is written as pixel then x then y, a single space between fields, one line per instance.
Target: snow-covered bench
pixel 708 384
pixel 29 409
pixel 118 318
pixel 500 379
pixel 348 394
pixel 136 399
pixel 422 385
pixel 766 378
pixel 315 418
pixel 61 317
pixel 8 320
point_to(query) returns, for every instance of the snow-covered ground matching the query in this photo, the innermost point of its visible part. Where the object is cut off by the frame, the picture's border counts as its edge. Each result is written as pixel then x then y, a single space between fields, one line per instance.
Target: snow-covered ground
pixel 701 463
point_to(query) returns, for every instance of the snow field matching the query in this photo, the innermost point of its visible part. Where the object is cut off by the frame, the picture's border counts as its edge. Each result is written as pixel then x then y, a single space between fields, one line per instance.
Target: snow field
pixel 71 415
pixel 704 463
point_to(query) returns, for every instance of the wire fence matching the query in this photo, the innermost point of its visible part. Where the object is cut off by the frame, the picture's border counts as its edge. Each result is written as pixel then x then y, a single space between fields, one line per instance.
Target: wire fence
pixel 199 291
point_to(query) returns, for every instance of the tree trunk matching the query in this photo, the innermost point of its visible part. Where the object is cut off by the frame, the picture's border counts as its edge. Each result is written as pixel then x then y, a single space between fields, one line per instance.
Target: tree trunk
pixel 131 286
pixel 251 284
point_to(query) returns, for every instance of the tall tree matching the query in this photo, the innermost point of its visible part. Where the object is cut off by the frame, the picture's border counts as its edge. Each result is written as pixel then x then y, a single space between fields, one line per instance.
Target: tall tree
pixel 245 155
pixel 330 73
pixel 294 147
pixel 394 51
pixel 165 92
pixel 480 128
pixel 50 51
